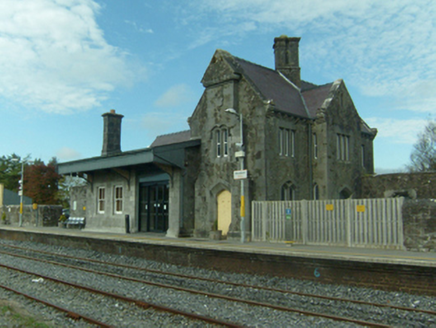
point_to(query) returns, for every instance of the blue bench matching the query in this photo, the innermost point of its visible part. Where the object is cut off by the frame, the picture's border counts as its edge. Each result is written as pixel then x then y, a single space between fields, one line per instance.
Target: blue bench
pixel 74 222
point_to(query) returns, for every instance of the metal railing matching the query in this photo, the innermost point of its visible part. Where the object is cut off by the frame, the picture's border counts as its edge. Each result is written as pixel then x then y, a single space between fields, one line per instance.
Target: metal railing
pixel 350 222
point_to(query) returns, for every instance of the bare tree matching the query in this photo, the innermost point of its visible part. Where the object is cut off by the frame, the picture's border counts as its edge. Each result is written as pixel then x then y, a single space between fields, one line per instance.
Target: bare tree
pixel 423 156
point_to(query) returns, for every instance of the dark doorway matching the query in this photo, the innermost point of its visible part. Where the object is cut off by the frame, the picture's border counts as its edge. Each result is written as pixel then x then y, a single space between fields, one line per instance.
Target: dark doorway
pixel 153 207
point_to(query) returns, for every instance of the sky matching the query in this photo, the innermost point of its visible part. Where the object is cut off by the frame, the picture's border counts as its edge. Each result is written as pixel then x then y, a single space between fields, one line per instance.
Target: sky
pixel 64 63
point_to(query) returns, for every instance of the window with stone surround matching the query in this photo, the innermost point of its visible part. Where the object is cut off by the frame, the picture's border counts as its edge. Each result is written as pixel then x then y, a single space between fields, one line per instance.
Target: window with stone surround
pixel 315 192
pixel 118 199
pixel 342 147
pixel 101 194
pixel 315 146
pixel 286 142
pixel 221 140
pixel 288 191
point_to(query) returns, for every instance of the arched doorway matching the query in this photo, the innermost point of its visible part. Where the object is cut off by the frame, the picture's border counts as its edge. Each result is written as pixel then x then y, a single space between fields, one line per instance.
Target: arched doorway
pixel 224 215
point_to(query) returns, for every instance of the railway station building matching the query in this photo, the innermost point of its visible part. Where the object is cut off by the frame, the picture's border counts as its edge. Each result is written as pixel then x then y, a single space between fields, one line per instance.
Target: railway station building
pixel 285 138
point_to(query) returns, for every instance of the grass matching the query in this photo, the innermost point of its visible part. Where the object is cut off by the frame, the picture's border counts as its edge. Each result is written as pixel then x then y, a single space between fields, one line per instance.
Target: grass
pixel 21 320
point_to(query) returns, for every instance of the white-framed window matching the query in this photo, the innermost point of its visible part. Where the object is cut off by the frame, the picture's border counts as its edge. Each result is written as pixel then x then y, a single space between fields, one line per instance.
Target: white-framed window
pixel 288 191
pixel 101 195
pixel 222 145
pixel 343 147
pixel 118 199
pixel 315 146
pixel 286 142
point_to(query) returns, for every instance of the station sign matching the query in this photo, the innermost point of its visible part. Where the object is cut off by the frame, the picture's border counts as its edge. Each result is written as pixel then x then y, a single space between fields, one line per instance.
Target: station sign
pixel 240 174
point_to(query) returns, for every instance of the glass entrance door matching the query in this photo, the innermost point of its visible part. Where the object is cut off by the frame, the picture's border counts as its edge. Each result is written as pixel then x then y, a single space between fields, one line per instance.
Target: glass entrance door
pixel 153 210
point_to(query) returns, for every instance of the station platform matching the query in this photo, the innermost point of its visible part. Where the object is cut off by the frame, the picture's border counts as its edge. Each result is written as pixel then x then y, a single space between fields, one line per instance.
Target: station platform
pixel 364 255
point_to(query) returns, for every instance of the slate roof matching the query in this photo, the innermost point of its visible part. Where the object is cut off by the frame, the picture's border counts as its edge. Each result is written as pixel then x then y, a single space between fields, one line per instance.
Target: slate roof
pixel 274 86
pixel 315 96
pixel 172 138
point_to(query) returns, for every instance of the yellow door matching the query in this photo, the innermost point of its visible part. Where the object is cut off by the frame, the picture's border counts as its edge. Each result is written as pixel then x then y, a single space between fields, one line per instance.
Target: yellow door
pixel 224 200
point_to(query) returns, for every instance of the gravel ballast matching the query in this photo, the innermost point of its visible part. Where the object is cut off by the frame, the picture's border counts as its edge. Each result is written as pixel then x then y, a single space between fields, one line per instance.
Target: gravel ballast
pixel 242 314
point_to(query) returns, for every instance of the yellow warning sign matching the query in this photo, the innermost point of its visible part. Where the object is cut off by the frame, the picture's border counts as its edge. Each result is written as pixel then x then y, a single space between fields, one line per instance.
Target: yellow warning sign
pixel 360 208
pixel 329 207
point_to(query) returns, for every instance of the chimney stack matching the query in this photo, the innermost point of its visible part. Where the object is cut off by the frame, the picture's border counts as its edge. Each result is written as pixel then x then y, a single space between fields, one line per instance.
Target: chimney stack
pixel 111 133
pixel 286 58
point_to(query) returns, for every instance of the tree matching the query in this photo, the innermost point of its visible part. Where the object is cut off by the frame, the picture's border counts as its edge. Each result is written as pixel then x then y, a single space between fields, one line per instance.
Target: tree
pixel 41 182
pixel 423 156
pixel 10 171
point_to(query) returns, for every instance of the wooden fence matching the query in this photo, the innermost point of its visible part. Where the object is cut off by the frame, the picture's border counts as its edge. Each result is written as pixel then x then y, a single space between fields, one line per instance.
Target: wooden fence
pixel 351 222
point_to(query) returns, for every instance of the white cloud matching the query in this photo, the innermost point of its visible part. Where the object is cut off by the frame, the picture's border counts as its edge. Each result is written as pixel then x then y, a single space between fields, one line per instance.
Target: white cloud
pixel 65 154
pixel 175 96
pixel 53 55
pixel 384 48
pixel 396 130
pixel 139 28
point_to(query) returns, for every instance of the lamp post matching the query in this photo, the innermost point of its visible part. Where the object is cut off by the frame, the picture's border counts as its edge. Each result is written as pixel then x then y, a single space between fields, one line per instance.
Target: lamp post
pixel 241 156
pixel 21 190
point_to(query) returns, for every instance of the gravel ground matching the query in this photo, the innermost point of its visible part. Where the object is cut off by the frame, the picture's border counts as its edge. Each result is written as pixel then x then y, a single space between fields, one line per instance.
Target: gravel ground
pixel 243 314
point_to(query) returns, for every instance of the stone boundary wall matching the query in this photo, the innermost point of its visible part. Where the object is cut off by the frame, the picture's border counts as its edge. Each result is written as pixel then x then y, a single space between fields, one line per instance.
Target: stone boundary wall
pixel 419 224
pixel 44 215
pixel 408 185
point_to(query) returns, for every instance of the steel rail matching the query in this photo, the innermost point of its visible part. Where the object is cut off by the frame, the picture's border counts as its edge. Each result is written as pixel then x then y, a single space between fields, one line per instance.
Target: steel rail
pixel 331 298
pixel 71 314
pixel 228 298
pixel 139 303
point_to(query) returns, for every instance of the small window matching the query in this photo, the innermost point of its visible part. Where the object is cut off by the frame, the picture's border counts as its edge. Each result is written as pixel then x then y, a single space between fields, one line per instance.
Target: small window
pixel 286 142
pixel 218 143
pixel 221 139
pixel 343 144
pixel 101 199
pixel 288 191
pixel 362 155
pixel 315 192
pixel 118 199
pixel 315 146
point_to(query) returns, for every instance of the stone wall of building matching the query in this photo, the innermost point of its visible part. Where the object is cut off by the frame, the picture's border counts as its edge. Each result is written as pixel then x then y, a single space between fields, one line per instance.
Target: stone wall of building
pixel 78 196
pixel 409 185
pixel 419 224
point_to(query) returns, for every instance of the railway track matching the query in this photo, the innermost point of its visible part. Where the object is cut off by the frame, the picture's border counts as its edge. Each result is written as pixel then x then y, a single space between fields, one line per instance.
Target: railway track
pixel 278 299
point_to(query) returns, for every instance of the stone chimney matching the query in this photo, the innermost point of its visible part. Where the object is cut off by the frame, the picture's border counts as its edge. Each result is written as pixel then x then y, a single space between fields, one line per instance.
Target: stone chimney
pixel 286 58
pixel 111 133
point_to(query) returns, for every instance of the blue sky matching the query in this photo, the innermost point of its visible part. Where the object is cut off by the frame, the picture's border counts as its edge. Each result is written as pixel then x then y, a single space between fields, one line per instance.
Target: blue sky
pixel 64 63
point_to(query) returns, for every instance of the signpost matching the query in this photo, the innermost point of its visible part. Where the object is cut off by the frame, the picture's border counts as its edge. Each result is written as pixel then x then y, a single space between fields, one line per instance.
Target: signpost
pixel 240 174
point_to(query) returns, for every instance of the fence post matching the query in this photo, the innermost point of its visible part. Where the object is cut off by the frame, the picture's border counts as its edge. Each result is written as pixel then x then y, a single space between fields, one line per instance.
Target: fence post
pixel 304 221
pixel 399 204
pixel 348 220
pixel 264 220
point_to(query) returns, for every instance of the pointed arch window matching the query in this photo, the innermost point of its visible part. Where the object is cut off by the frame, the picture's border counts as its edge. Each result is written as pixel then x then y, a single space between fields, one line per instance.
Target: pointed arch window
pixel 288 191
pixel 315 192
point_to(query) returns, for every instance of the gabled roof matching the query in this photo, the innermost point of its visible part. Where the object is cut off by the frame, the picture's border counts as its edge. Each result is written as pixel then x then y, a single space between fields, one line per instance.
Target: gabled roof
pixel 273 86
